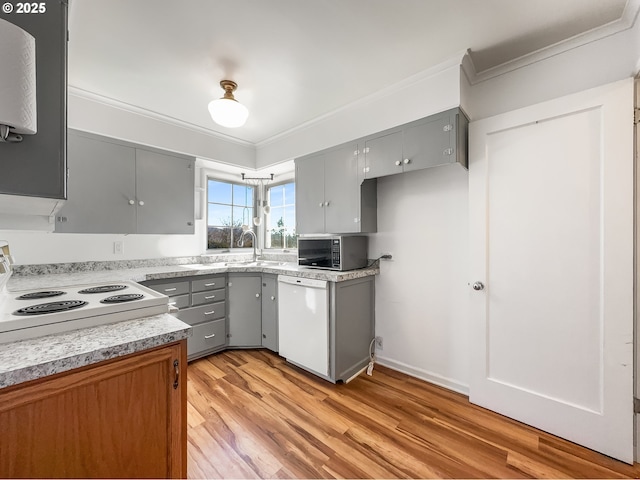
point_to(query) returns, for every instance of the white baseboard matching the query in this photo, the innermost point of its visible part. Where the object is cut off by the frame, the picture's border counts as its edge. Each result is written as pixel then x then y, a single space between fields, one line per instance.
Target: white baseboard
pixel 424 375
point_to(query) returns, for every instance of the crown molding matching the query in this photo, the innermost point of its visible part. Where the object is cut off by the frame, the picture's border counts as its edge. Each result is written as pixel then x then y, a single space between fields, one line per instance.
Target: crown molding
pixel 625 22
pixel 127 107
pixel 452 61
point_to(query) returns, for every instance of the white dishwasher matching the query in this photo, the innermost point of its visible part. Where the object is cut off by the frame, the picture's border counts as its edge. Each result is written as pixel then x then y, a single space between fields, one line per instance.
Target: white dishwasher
pixel 303 322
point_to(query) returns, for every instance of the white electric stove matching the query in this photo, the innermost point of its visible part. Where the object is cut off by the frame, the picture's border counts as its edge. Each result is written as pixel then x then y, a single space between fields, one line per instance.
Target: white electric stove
pixel 34 313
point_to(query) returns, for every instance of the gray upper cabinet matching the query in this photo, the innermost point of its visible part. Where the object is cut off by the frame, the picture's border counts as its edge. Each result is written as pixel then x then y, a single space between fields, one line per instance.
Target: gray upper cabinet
pixel 435 140
pixel 115 187
pixel 329 195
pixel 383 154
pixel 165 186
pixel 244 312
pixel 37 166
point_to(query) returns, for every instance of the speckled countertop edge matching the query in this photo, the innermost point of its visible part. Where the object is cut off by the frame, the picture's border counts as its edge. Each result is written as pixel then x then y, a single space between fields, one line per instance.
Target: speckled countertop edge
pixel 53 280
pixel 34 358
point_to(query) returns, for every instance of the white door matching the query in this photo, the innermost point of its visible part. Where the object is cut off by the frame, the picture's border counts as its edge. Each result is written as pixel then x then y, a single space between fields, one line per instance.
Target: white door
pixel 551 229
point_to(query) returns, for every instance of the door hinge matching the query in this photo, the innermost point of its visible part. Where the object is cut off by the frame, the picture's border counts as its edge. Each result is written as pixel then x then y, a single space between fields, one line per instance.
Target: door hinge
pixel 636 116
pixel 636 405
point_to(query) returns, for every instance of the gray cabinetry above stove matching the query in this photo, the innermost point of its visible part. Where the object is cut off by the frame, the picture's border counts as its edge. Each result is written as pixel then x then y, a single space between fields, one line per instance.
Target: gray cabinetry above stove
pixel 117 187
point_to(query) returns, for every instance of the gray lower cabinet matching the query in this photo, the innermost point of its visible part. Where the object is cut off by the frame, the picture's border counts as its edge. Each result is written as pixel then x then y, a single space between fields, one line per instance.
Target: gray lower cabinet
pixel 202 304
pixel 270 311
pixel 352 326
pixel 245 307
pixel 116 187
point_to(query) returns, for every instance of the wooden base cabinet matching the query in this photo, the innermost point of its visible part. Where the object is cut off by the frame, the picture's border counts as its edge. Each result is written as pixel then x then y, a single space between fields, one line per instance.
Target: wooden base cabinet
pixel 120 418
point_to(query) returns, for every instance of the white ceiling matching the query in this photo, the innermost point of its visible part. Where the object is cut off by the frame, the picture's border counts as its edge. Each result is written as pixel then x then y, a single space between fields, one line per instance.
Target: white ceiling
pixel 296 60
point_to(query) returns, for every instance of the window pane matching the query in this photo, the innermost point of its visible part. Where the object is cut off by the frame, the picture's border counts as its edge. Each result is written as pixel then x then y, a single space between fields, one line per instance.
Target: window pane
pixel 242 195
pixel 276 195
pixel 226 213
pixel 219 215
pixel 219 192
pixel 290 218
pixel 218 237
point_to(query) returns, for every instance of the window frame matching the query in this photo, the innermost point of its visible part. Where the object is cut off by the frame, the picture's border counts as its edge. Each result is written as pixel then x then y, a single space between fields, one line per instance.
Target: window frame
pixel 266 234
pixel 232 248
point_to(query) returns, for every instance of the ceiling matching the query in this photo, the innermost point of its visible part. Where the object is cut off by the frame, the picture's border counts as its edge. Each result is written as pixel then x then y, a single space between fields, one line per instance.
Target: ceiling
pixel 297 60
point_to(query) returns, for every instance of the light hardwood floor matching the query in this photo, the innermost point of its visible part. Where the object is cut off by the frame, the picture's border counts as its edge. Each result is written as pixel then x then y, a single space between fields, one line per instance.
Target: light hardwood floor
pixel 252 415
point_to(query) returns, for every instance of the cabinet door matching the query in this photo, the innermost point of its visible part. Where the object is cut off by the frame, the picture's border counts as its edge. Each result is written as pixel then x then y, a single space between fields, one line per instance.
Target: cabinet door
pixel 97 422
pixel 245 305
pixel 165 187
pixel 310 194
pixel 101 187
pixel 381 155
pixel 342 191
pixel 270 312
pixel 429 143
pixel 37 166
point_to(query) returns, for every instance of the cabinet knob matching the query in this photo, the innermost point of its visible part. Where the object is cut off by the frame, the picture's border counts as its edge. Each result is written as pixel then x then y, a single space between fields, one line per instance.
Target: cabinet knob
pixel 477 286
pixel 132 202
pixel 272 297
pixel 141 203
pixel 406 161
pixel 398 163
pixel 321 204
pixel 326 204
pixel 264 335
pixel 257 295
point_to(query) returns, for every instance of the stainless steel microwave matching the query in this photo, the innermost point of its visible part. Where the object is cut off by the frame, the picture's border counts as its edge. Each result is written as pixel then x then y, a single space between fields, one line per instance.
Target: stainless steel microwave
pixel 336 252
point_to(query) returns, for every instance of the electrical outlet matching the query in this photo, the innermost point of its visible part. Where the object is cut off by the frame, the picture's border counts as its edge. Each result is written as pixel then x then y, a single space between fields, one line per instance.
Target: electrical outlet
pixel 378 343
pixel 118 247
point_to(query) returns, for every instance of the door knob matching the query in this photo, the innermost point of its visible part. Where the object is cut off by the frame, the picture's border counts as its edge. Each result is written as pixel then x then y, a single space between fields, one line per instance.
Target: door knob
pixel 478 286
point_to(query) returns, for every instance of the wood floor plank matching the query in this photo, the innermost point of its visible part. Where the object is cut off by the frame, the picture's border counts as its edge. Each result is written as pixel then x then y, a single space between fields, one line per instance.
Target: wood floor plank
pixel 253 415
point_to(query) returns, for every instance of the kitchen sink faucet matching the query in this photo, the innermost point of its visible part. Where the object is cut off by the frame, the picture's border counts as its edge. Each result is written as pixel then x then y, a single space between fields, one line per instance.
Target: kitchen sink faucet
pixel 255 242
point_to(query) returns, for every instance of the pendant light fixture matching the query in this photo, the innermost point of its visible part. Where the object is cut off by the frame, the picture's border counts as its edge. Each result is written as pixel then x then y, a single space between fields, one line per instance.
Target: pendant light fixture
pixel 227 111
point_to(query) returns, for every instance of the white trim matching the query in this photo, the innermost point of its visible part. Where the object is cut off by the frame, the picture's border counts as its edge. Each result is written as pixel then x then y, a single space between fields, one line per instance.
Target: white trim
pixel 127 107
pixel 453 61
pixel 425 375
pixel 625 22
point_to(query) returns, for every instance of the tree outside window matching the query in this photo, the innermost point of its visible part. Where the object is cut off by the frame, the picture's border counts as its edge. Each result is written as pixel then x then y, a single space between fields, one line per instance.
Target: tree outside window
pixel 229 206
pixel 281 221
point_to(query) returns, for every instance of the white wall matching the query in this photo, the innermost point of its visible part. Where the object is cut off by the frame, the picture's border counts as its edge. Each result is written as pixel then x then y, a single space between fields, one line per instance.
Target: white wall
pixel 422 293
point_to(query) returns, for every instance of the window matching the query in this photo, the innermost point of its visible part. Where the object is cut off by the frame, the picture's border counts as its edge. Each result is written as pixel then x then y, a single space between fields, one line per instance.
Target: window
pixel 281 221
pixel 229 206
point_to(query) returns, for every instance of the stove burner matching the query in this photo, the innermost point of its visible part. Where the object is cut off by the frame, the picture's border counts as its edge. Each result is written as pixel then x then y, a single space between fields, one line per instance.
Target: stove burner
pixel 127 297
pixel 51 307
pixel 43 294
pixel 103 289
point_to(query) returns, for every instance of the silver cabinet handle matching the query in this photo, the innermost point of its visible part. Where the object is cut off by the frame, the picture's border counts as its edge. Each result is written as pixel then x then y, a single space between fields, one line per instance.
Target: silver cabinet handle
pixel 209 284
pixel 132 202
pixel 172 303
pixel 210 313
pixel 209 336
pixel 321 204
pixel 210 297
pixel 170 289
pixel 478 286
pixel 141 203
pixel 257 295
pixel 326 204
pixel 398 163
pixel 272 297
pixel 406 161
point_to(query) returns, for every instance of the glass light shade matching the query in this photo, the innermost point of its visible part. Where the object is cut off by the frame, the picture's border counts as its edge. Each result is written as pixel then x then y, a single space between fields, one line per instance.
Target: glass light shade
pixel 228 112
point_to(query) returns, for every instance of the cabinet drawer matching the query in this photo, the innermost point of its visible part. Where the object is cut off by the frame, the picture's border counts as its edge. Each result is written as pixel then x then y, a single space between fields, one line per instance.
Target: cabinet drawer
pixel 205 313
pixel 179 301
pixel 210 296
pixel 208 283
pixel 170 289
pixel 207 336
